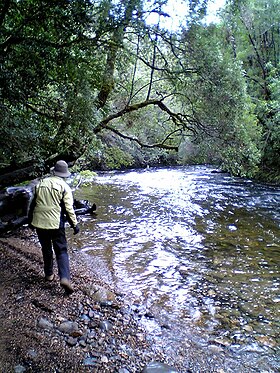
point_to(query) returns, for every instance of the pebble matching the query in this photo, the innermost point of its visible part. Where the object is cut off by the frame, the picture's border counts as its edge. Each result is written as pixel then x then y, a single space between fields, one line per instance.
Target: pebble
pixel 96 335
pixel 105 325
pixel 89 361
pixel 68 327
pixel 45 324
pixel 72 341
pixel 157 367
pixel 32 353
pixel 82 343
pixel 20 369
pixel 104 360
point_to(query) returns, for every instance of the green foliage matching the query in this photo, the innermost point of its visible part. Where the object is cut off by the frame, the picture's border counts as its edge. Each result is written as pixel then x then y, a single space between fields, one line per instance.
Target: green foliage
pixel 87 174
pixel 244 157
pixel 73 73
pixel 115 158
pixel 84 177
pixel 271 111
pixel 227 132
pixel 253 32
pixel 48 77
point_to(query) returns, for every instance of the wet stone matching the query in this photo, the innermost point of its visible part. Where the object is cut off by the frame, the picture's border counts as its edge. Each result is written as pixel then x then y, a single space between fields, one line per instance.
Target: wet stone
pixel 100 294
pixel 89 361
pixel 106 303
pixel 104 360
pixel 105 325
pixel 156 367
pixel 71 341
pixel 45 324
pixel 82 343
pixel 85 318
pixel 19 369
pixel 76 333
pixel 165 326
pixel 68 327
pixel 149 315
pixel 32 353
pixel 91 335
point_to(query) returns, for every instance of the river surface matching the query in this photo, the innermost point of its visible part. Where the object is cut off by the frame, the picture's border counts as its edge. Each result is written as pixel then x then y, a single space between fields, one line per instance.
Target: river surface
pixel 197 255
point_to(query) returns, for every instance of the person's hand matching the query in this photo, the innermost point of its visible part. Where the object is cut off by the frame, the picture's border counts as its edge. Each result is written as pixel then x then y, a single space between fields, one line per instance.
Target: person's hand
pixel 76 229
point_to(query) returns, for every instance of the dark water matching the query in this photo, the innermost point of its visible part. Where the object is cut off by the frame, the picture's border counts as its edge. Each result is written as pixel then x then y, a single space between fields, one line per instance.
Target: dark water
pixel 197 253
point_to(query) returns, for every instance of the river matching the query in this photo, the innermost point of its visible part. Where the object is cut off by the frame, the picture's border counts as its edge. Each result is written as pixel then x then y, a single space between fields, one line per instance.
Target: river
pixel 196 253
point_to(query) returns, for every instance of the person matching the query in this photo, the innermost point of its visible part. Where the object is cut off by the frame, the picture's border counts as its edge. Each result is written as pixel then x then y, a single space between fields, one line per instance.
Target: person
pixel 50 208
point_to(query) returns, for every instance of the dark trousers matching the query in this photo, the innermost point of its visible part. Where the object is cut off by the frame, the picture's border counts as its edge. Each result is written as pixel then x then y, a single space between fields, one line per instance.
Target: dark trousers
pixel 54 240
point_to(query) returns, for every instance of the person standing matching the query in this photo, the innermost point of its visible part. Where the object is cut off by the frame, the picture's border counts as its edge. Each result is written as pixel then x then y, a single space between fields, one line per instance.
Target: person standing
pixel 50 208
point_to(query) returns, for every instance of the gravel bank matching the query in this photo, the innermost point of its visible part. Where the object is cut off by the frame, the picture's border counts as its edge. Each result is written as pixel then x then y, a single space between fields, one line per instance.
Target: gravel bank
pixel 45 331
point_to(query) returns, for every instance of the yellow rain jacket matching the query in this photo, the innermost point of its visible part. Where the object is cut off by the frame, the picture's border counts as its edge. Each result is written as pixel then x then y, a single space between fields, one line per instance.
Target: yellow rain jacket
pixel 52 204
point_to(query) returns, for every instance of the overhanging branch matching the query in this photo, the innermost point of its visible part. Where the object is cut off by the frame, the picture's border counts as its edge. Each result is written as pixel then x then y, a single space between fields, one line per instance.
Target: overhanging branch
pixel 179 119
pixel 161 145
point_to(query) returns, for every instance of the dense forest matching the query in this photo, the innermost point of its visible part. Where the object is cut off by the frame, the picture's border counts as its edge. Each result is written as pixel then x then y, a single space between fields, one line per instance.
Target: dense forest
pixel 97 84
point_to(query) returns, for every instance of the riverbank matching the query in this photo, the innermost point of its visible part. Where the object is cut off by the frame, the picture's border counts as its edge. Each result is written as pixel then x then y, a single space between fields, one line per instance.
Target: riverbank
pixel 44 330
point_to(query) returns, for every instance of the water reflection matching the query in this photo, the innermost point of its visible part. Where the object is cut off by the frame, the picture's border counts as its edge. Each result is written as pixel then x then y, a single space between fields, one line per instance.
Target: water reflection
pixel 198 250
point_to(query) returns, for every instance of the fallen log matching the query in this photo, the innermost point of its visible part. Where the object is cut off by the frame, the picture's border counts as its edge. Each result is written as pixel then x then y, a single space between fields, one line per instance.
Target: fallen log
pixel 15 202
pixel 83 207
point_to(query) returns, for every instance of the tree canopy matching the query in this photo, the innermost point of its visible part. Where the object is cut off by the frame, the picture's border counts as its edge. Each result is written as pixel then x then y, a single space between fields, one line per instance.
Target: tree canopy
pixel 92 80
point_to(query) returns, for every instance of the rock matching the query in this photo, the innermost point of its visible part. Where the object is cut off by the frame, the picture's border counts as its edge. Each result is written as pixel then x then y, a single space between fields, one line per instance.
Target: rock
pixel 71 341
pixel 102 295
pixel 266 341
pixel 91 335
pixel 196 316
pixel 32 353
pixel 77 333
pixel 45 324
pixel 211 293
pixel 106 303
pixel 184 271
pixel 20 369
pixel 83 207
pixel 89 361
pixel 104 360
pixel 105 325
pixel 62 341
pixel 215 349
pixel 68 327
pixel 165 326
pixel 149 315
pixel 82 343
pixel 156 367
pixel 248 328
pixel 85 318
pixel 41 305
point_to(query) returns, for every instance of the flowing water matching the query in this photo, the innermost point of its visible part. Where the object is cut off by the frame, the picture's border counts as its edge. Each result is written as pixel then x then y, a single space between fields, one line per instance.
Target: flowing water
pixel 197 255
